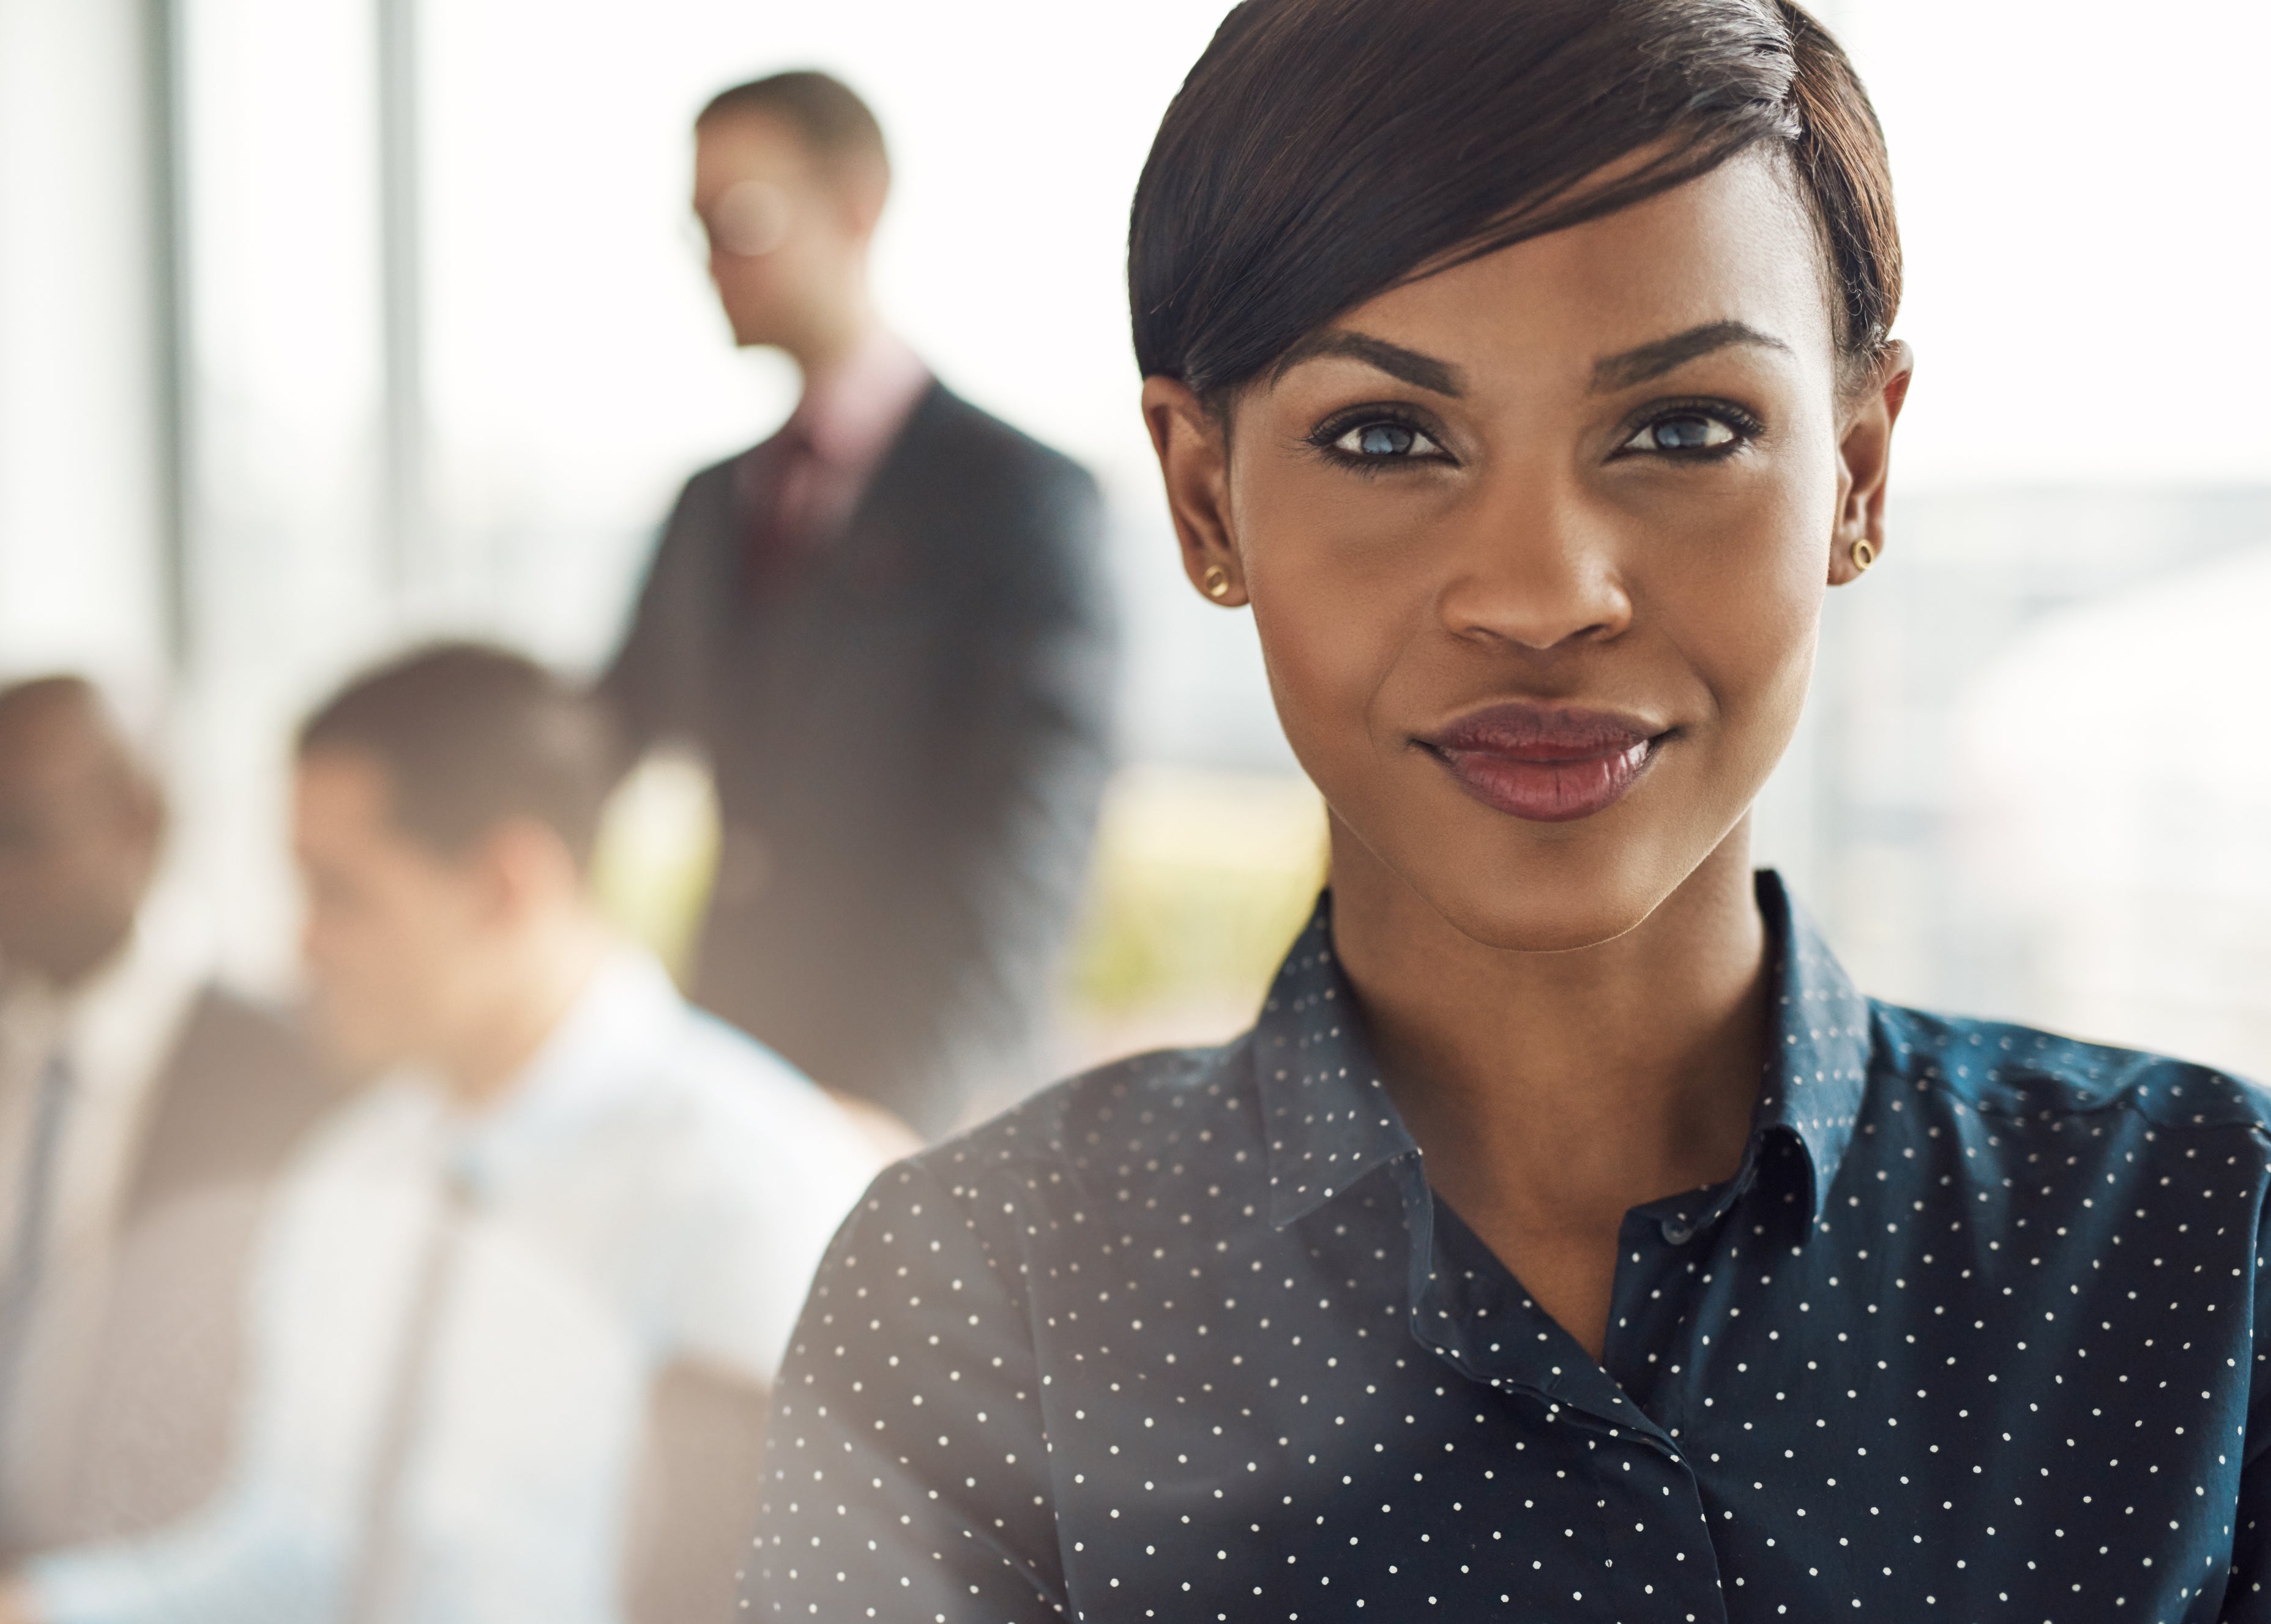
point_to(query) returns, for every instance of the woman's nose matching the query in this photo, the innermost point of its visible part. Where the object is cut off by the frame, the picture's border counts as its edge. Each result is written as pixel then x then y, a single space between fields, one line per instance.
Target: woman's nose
pixel 1536 571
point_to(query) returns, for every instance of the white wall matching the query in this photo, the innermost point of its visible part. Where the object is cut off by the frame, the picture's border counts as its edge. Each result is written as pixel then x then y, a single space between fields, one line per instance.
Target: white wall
pixel 79 401
pixel 2083 197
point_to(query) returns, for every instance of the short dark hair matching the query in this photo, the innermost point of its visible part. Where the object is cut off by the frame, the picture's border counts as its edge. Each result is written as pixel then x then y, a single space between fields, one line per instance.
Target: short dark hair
pixel 824 110
pixel 471 735
pixel 1323 151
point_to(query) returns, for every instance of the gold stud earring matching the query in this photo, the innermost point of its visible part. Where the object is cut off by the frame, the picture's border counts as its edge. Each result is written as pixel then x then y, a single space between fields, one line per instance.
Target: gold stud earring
pixel 1216 581
pixel 1864 555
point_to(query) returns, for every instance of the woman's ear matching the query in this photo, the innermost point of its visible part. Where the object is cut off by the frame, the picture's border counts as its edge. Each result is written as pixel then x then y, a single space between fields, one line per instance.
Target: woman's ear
pixel 1194 449
pixel 1865 451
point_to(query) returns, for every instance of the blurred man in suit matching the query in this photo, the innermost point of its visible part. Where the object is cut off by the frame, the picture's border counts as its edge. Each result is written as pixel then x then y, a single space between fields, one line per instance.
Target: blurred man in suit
pixel 887 629
pixel 143 1113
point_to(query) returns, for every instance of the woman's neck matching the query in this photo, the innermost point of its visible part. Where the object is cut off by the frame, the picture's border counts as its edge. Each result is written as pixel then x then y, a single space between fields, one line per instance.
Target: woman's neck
pixel 1552 1092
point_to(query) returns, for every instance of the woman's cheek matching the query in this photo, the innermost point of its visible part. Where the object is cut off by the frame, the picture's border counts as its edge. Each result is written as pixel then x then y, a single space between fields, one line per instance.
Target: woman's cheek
pixel 1752 628
pixel 1328 641
pixel 1313 657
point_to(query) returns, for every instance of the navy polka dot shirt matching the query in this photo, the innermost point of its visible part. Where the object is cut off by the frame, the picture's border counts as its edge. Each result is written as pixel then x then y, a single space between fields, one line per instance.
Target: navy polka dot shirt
pixel 1971 1336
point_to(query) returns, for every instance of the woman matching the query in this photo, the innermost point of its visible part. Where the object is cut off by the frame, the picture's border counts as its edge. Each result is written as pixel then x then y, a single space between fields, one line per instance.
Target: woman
pixel 1569 1239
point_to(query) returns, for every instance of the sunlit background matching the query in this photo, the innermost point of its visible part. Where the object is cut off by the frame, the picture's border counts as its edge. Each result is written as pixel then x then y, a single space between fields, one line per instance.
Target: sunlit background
pixel 325 323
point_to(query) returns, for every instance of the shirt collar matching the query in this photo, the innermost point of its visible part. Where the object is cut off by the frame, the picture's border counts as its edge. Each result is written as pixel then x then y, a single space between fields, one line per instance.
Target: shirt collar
pixel 602 1051
pixel 1818 1070
pixel 1326 1113
pixel 850 415
pixel 118 1024
pixel 1328 1121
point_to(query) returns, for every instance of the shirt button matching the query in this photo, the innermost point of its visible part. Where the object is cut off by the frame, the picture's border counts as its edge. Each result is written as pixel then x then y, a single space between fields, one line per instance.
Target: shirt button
pixel 1677 1234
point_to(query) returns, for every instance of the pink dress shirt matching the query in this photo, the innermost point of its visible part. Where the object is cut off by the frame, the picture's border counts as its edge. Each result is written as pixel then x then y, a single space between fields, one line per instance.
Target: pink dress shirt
pixel 802 484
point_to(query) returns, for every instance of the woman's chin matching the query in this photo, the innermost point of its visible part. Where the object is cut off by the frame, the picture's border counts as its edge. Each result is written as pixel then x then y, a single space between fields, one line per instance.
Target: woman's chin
pixel 1566 898
pixel 1554 914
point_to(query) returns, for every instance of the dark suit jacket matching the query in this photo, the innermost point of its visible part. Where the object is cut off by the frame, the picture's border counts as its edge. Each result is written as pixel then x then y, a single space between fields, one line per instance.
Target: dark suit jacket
pixel 156 1428
pixel 910 744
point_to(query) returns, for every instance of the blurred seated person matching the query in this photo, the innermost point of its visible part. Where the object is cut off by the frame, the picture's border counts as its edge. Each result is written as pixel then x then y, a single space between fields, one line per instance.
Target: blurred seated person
pixel 144 1113
pixel 472 1278
pixel 887 629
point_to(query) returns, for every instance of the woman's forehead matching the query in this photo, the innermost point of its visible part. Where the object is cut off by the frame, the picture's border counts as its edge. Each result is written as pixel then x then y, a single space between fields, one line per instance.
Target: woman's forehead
pixel 1735 249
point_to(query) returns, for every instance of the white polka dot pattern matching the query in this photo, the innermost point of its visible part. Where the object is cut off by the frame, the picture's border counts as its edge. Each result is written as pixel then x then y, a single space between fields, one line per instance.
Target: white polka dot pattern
pixel 1970 1337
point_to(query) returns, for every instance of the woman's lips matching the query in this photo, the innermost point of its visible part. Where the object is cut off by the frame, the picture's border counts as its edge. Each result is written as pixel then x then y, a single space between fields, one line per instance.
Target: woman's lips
pixel 1546 764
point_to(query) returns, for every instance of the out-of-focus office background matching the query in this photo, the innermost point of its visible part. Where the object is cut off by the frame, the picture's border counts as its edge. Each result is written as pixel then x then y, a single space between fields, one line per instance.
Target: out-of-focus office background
pixel 324 324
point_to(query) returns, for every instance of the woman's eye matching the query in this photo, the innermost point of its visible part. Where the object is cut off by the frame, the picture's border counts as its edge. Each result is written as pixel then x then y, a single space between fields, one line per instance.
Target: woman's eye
pixel 1382 442
pixel 1688 431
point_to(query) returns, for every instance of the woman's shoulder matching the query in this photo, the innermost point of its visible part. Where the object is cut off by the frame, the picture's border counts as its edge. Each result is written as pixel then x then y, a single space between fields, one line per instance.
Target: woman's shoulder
pixel 1188 1111
pixel 1999 1069
pixel 1144 1102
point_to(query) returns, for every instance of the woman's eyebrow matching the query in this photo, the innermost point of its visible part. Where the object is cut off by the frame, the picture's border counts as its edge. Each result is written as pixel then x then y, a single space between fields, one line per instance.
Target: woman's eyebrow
pixel 1410 366
pixel 1647 361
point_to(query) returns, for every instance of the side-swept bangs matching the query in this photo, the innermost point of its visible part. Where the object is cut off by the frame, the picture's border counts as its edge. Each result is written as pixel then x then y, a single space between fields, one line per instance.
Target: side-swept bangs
pixel 1323 151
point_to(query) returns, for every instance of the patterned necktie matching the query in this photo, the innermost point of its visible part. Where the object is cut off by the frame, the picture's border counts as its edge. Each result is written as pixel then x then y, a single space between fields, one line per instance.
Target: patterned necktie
pixel 784 479
pixel 27 1253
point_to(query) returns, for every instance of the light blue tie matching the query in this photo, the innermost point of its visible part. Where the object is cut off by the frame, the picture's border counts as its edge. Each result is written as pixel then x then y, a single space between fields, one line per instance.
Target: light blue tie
pixel 378 1575
pixel 20 1295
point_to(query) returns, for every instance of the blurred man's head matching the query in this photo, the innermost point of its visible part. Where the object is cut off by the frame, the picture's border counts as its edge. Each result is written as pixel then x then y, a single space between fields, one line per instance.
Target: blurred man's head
pixel 790 175
pixel 445 813
pixel 81 821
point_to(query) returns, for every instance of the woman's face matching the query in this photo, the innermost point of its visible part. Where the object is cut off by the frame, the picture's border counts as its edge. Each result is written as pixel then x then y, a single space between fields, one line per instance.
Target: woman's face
pixel 1537 549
